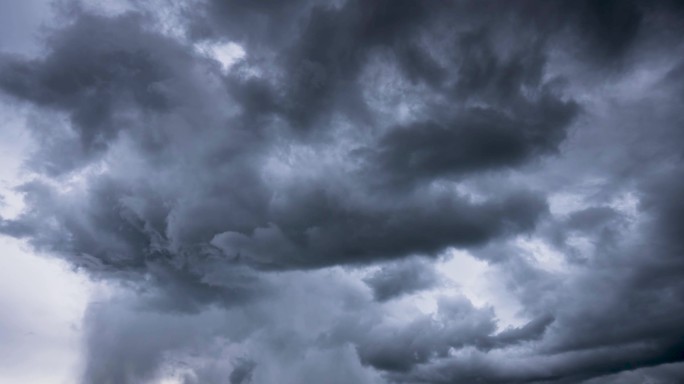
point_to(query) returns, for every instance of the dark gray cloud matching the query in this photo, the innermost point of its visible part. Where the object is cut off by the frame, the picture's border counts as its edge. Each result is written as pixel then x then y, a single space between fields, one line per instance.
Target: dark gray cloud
pixel 242 374
pixel 315 231
pixel 242 205
pixel 456 325
pixel 399 279
pixel 477 140
pixel 92 67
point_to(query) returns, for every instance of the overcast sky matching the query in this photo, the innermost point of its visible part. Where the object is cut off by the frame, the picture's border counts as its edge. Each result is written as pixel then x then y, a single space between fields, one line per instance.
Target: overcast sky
pixel 345 191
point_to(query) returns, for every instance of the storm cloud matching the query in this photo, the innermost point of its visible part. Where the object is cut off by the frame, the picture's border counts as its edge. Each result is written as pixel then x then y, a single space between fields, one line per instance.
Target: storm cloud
pixel 302 191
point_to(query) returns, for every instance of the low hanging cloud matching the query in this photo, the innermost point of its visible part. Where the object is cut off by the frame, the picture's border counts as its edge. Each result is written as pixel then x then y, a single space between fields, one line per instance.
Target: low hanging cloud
pixel 284 216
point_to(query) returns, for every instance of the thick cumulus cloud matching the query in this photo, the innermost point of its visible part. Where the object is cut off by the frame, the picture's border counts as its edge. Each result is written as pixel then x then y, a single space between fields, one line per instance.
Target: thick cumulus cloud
pixel 281 212
pixel 128 94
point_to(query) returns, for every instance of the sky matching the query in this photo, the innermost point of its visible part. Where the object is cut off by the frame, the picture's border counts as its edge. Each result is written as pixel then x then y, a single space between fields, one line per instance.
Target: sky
pixel 344 191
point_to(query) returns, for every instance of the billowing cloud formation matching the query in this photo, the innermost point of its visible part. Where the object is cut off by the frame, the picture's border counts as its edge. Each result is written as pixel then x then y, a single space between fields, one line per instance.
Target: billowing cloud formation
pixel 281 212
pixel 141 101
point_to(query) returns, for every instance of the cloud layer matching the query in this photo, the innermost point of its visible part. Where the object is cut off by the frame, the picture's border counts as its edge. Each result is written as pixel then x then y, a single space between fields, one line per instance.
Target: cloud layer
pixel 283 211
